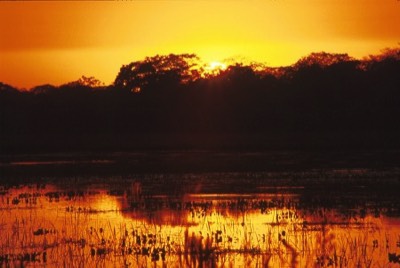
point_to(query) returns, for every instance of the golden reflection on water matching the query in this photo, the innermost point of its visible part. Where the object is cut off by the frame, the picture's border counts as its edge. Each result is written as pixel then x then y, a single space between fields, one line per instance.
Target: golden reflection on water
pixel 42 224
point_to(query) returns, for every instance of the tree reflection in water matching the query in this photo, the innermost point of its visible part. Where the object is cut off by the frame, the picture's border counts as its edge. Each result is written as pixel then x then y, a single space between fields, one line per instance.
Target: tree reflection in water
pixel 132 224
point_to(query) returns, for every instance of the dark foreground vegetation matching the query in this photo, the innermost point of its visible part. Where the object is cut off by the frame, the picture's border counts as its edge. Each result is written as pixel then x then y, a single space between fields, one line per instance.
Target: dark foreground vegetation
pixel 324 101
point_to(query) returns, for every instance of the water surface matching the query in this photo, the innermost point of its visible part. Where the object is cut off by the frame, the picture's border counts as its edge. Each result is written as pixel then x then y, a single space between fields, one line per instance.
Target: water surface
pixel 314 218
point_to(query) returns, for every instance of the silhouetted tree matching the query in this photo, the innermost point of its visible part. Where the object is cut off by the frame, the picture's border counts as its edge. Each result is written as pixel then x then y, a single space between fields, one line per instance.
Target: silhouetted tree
pixel 238 75
pixel 311 102
pixel 157 71
pixel 84 81
pixel 43 89
pixel 322 59
pixel 6 88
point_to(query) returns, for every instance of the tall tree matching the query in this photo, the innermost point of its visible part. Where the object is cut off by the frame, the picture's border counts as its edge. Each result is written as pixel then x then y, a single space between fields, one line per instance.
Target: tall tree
pixel 157 71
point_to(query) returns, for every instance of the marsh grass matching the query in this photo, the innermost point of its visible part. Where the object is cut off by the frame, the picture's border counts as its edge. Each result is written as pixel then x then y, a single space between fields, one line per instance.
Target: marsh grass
pixel 130 226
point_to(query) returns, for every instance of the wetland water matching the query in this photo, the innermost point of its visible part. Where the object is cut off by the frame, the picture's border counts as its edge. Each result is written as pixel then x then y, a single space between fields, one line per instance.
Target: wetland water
pixel 311 218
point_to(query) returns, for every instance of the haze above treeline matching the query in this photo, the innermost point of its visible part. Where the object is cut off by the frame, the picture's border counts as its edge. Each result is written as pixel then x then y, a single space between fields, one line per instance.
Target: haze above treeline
pixel 324 100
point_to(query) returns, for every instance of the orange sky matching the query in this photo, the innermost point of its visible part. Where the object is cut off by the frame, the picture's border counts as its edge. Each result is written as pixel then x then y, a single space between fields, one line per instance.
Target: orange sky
pixel 57 42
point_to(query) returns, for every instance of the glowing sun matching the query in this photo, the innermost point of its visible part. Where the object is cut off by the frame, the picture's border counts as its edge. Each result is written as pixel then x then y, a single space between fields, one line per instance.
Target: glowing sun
pixel 215 66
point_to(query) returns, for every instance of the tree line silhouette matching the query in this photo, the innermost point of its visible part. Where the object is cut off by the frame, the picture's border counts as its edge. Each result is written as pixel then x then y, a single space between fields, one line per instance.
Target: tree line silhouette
pixel 322 101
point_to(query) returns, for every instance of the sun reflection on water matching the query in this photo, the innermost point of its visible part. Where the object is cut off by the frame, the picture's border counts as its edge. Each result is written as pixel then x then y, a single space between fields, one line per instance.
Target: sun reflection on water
pixel 95 226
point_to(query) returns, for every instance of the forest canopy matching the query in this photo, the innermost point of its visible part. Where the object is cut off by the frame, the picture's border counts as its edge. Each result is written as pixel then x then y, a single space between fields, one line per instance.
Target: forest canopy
pixel 173 100
pixel 163 71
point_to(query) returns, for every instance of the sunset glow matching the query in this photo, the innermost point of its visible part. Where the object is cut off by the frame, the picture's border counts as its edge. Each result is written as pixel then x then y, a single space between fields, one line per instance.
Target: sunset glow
pixel 57 42
pixel 214 67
